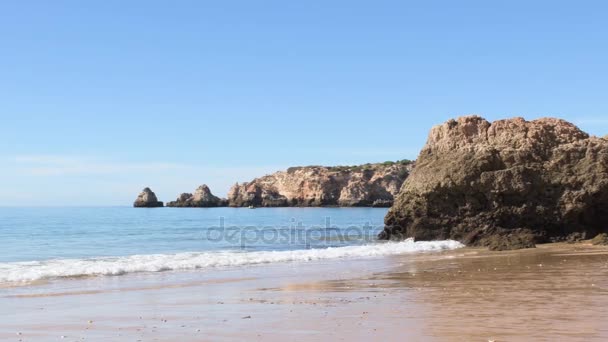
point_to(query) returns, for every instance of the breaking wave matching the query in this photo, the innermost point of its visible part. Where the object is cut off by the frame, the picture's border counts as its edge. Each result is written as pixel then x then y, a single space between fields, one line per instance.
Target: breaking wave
pixel 111 266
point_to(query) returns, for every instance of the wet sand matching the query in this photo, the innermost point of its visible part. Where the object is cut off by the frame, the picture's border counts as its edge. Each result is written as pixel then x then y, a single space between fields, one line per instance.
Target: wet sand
pixel 555 292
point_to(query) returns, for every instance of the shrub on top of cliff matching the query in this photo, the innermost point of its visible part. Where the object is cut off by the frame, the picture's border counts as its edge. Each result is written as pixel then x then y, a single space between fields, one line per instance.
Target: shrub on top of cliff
pixel 403 173
pixel 294 169
pixel 339 168
pixel 364 167
pixel 398 162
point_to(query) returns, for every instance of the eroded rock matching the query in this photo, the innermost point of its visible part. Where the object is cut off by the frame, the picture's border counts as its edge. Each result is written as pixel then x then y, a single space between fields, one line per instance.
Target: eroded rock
pixel 486 183
pixel 147 199
pixel 202 197
pixel 600 239
pixel 310 186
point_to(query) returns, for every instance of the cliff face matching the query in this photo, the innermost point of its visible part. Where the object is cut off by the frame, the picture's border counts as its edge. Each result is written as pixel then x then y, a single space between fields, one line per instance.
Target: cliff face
pixel 506 184
pixel 147 199
pixel 202 197
pixel 365 185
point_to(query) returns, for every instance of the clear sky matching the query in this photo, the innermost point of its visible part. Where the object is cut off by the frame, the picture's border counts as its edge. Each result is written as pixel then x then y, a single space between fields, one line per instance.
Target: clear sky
pixel 101 98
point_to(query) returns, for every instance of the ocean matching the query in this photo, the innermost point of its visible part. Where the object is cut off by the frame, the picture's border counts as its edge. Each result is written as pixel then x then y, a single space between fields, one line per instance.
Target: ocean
pixel 51 243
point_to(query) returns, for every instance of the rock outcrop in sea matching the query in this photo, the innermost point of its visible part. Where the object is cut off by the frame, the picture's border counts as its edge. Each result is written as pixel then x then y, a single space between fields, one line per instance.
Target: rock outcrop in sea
pixel 507 184
pixel 147 199
pixel 312 186
pixel 202 198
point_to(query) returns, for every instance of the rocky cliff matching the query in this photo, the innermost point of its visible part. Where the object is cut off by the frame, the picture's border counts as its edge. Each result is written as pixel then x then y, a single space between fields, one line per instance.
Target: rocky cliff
pixel 310 186
pixel 507 184
pixel 147 199
pixel 202 197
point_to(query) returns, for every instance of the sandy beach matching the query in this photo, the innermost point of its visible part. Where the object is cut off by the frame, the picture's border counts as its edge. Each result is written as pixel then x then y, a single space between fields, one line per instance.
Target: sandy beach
pixel 553 292
pixel 188 171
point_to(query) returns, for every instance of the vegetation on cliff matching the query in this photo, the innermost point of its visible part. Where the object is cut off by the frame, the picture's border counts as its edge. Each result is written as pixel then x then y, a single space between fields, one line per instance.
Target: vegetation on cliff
pixel 359 185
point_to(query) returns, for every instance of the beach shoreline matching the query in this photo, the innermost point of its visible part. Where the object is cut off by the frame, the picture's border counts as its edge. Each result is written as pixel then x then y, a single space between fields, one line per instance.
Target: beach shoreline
pixel 552 292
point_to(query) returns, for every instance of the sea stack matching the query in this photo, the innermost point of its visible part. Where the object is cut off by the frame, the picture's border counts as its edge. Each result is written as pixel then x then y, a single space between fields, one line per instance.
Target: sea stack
pixel 147 199
pixel 202 198
pixel 507 184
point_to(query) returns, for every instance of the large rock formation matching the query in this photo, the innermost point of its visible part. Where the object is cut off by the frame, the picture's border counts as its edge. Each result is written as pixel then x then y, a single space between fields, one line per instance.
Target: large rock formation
pixel 311 186
pixel 147 199
pixel 506 184
pixel 202 197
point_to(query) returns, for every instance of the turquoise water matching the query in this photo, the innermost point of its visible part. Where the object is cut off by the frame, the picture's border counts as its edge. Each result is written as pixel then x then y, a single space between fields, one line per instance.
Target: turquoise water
pixel 28 234
pixel 49 243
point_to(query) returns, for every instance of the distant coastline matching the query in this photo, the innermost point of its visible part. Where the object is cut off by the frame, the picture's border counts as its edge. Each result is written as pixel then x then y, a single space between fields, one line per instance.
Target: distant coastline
pixel 367 185
pixel 507 184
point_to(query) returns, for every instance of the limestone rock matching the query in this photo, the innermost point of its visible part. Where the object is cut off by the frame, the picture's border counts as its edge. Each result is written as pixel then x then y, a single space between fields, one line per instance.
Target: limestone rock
pixel 514 182
pixel 600 239
pixel 311 186
pixel 202 197
pixel 147 199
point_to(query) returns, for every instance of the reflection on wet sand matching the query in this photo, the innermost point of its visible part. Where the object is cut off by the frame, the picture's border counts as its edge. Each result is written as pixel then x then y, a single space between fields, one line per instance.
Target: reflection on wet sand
pixel 551 293
pixel 536 294
pixel 554 292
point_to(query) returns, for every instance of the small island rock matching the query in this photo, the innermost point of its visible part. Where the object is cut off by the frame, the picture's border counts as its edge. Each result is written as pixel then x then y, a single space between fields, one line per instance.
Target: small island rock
pixel 147 199
pixel 202 198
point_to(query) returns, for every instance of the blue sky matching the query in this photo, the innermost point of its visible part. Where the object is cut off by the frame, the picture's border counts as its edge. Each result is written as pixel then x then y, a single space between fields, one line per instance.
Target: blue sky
pixel 101 98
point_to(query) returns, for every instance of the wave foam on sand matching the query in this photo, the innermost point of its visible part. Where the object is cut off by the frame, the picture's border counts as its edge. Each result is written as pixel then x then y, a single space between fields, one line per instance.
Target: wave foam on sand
pixel 38 270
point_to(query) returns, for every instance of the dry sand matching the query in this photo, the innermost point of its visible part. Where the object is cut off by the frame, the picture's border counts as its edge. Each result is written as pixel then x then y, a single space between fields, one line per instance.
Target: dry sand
pixel 555 292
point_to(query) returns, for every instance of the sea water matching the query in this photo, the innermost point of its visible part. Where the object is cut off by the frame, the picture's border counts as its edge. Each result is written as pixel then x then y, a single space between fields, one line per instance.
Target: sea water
pixel 46 243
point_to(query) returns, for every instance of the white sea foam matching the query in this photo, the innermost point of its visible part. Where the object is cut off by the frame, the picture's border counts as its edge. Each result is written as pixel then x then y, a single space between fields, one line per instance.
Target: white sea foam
pixel 37 270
